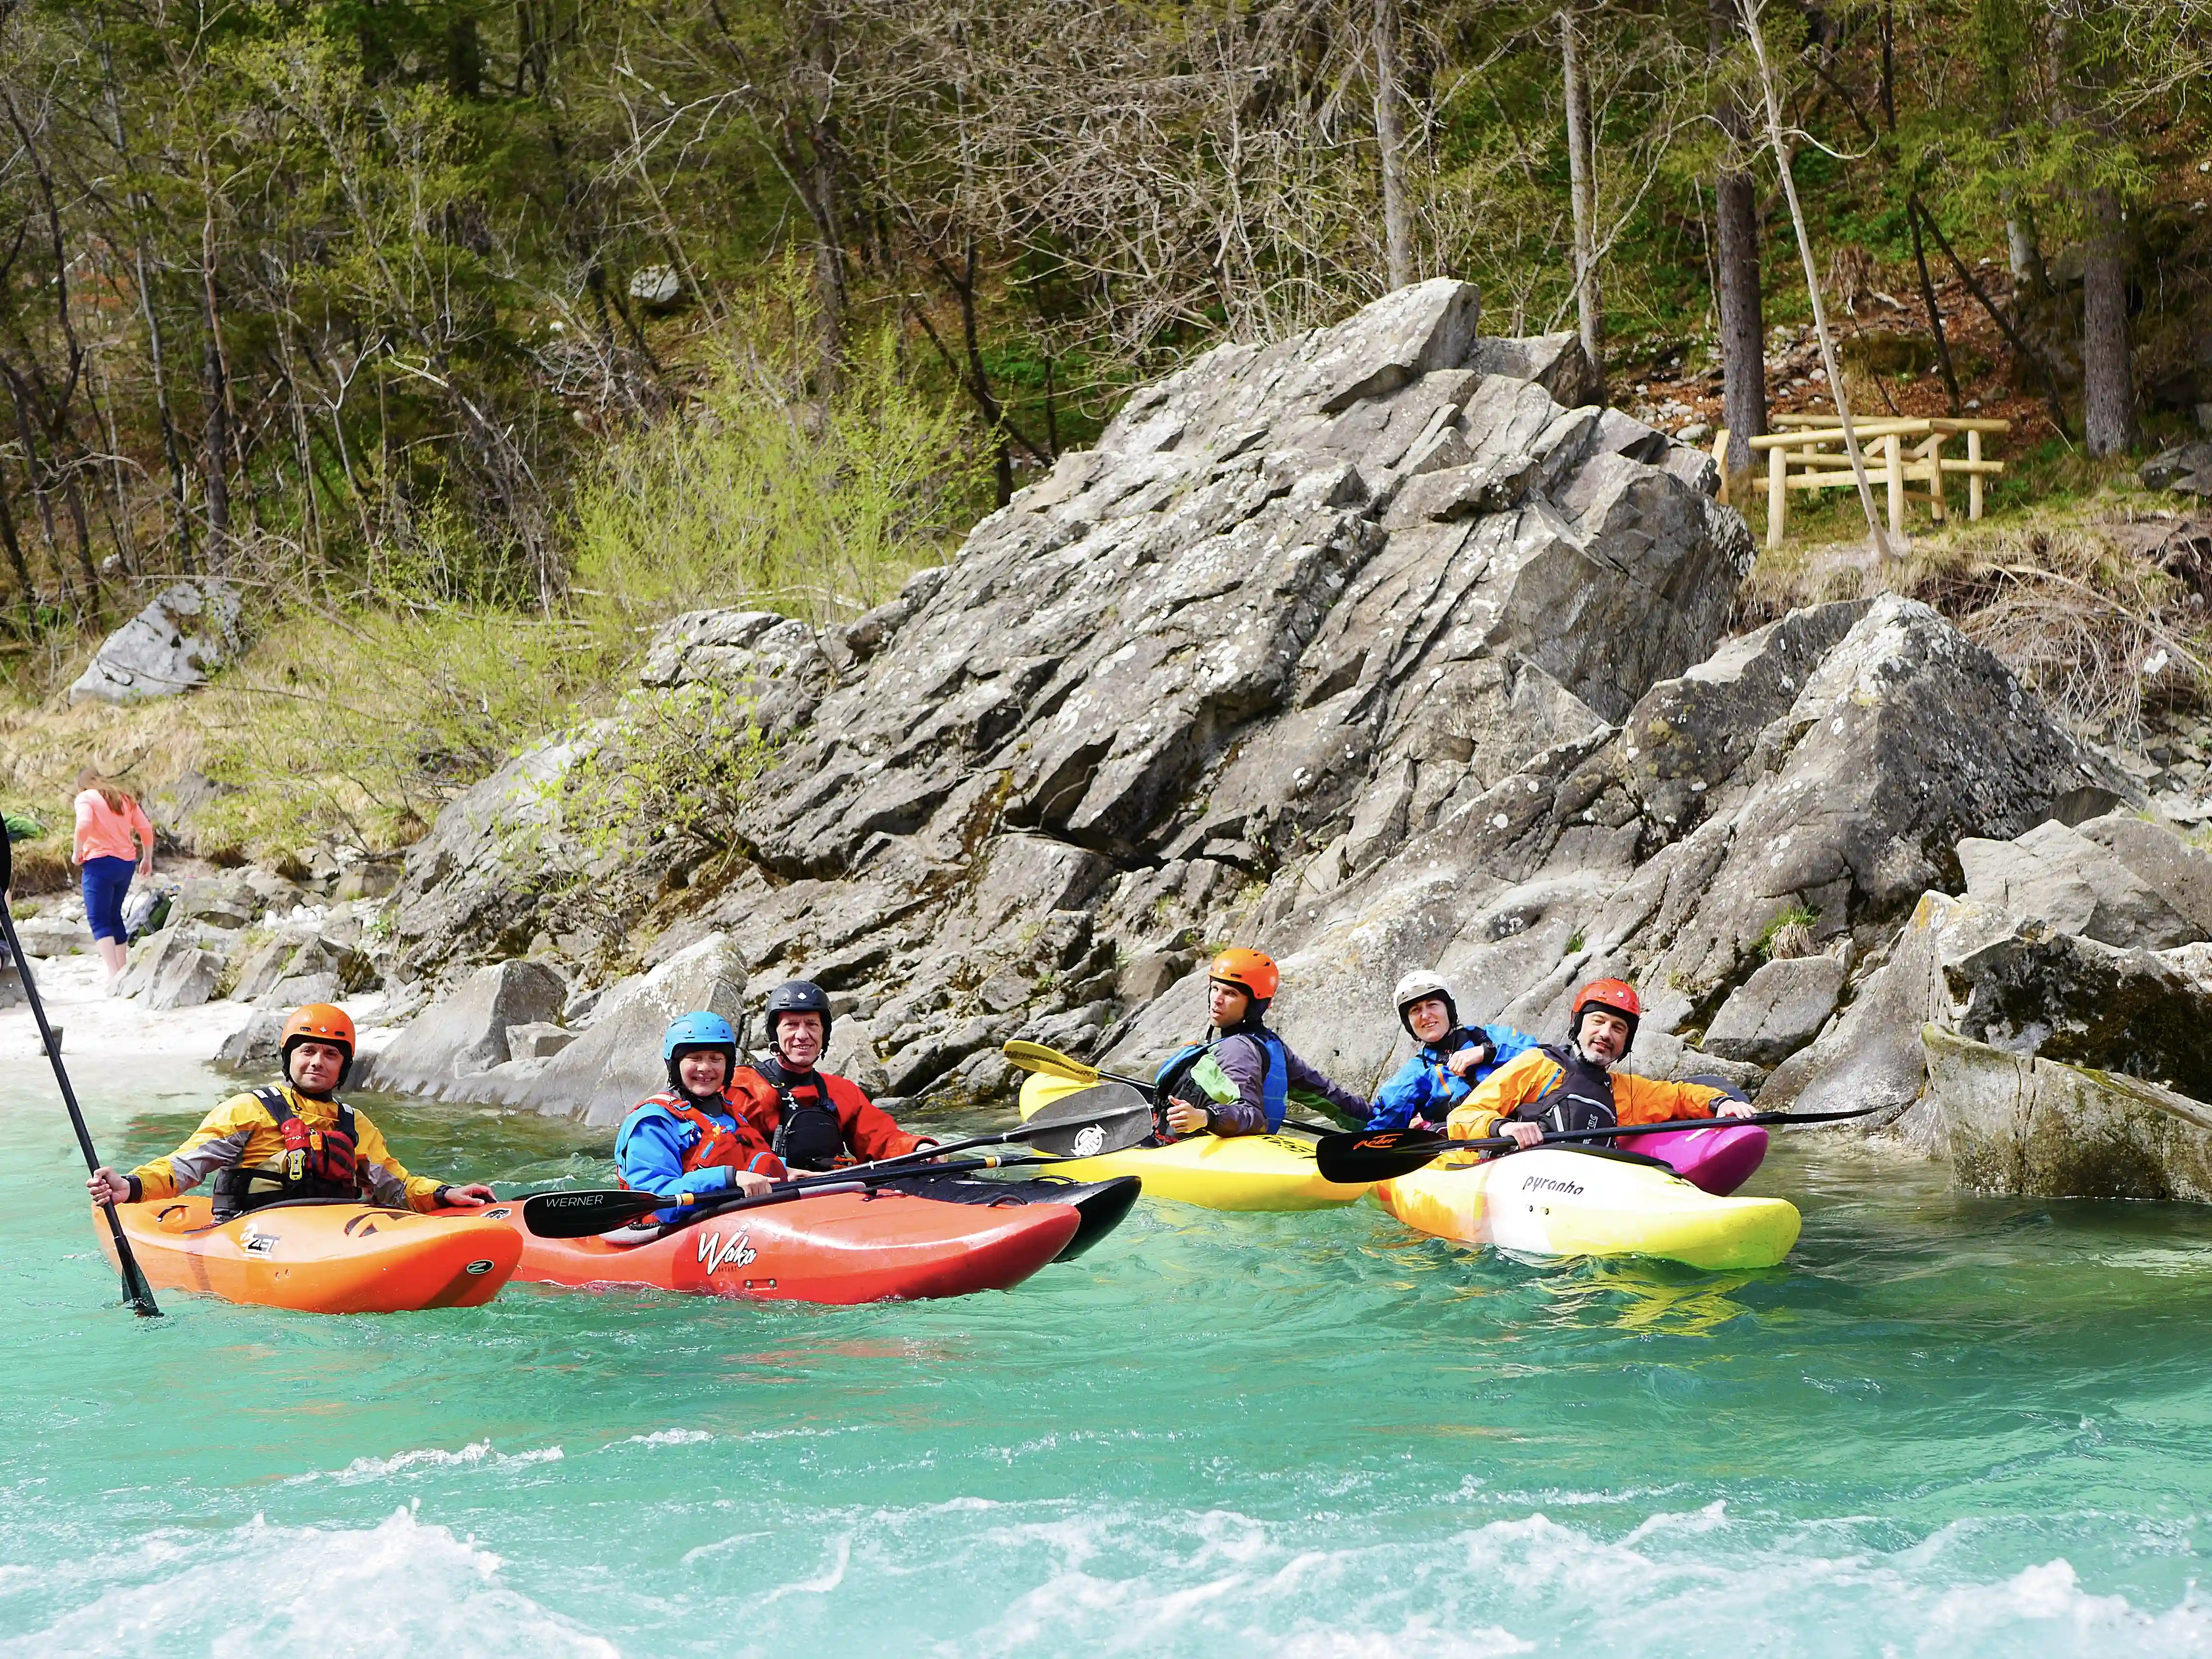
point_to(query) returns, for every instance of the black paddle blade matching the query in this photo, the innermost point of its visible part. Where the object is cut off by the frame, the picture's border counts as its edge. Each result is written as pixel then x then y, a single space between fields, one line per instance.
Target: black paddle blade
pixel 1375 1155
pixel 1107 1117
pixel 580 1215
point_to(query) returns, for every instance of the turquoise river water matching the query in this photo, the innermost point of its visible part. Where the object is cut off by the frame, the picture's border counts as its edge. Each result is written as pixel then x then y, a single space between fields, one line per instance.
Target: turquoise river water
pixel 1949 1425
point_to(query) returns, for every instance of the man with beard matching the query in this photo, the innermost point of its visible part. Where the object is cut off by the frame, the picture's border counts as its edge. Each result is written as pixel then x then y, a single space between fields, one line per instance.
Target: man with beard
pixel 812 1119
pixel 1580 1085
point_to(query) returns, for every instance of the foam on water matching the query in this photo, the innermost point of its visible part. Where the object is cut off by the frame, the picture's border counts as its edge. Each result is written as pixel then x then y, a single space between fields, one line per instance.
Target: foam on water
pixel 398 1587
pixel 434 1457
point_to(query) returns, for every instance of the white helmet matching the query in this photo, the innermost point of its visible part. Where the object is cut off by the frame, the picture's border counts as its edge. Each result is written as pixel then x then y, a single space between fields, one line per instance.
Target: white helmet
pixel 1418 987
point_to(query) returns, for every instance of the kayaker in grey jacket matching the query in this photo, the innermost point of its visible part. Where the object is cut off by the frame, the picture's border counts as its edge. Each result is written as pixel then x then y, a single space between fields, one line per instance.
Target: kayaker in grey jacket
pixel 1240 984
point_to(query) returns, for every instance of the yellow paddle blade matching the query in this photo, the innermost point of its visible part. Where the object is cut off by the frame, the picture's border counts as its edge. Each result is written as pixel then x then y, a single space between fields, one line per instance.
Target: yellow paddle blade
pixel 1036 1057
pixel 1041 1089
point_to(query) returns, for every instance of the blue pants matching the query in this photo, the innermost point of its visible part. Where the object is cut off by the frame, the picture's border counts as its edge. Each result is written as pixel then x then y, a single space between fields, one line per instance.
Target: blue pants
pixel 106 882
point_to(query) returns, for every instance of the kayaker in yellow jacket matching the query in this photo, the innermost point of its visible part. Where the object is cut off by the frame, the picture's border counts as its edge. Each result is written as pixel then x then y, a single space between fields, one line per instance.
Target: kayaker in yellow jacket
pixel 294 1139
pixel 1579 1086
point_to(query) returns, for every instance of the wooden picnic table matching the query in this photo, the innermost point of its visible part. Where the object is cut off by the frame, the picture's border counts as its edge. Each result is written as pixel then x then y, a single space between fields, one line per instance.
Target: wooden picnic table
pixel 1808 454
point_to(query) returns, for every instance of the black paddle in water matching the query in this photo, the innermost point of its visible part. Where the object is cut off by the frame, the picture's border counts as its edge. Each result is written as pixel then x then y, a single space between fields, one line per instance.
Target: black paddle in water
pixel 1385 1154
pixel 1107 1118
pixel 136 1290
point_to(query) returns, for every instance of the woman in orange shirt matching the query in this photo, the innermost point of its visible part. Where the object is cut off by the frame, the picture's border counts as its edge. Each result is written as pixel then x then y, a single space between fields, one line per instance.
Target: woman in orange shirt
pixel 112 838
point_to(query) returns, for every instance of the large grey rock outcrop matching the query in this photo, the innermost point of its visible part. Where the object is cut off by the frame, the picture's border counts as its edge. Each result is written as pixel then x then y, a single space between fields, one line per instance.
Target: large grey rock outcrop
pixel 463 1034
pixel 1302 602
pixel 1829 761
pixel 1999 967
pixel 2034 1126
pixel 187 632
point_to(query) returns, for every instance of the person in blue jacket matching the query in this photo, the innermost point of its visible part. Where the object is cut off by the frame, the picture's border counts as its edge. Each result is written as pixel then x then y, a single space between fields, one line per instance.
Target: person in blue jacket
pixel 691 1138
pixel 1449 1060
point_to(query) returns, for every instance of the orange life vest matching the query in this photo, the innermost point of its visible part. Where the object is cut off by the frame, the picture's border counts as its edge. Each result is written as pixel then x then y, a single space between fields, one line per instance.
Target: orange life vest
pixel 716 1146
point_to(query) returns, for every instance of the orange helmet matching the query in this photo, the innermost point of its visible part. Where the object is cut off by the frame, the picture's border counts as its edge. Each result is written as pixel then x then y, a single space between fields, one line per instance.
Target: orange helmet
pixel 1253 972
pixel 1617 995
pixel 317 1022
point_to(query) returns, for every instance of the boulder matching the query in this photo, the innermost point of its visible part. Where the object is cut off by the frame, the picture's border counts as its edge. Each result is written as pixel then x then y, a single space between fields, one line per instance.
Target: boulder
pixel 2073 884
pixel 2032 991
pixel 2181 874
pixel 165 969
pixel 369 878
pixel 1870 1055
pixel 288 994
pixel 1555 362
pixel 226 901
pixel 1777 1011
pixel 1970 967
pixel 253 1047
pixel 187 632
pixel 262 963
pixel 615 1061
pixel 464 1033
pixel 53 936
pixel 540 1040
pixel 2036 1128
pixel 2184 468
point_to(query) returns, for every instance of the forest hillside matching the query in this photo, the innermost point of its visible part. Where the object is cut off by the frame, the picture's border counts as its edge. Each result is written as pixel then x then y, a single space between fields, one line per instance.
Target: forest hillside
pixel 470 342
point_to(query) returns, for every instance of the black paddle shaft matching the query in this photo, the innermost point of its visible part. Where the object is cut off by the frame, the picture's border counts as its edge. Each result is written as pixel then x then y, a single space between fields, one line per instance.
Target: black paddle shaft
pixel 136 1290
pixel 1407 1150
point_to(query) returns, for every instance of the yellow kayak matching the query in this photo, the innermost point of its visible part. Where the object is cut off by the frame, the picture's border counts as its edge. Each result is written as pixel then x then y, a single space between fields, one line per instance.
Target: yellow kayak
pixel 1243 1172
pixel 1551 1202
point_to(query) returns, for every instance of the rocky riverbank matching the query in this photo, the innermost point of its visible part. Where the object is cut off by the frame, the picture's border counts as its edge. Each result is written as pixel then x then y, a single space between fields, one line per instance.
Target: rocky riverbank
pixel 1380 647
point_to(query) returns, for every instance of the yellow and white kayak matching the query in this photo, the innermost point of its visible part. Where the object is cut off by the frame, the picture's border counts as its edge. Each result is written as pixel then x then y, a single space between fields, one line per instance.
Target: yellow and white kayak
pixel 1551 1202
pixel 1243 1172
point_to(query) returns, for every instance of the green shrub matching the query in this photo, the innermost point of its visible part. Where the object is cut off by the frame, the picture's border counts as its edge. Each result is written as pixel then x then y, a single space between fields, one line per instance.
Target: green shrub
pixel 360 721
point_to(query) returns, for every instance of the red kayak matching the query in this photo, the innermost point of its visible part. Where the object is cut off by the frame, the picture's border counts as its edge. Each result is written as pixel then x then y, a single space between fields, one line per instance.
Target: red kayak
pixel 837 1248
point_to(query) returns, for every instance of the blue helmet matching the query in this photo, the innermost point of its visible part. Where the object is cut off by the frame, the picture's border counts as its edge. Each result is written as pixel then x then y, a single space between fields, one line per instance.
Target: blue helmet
pixel 702 1029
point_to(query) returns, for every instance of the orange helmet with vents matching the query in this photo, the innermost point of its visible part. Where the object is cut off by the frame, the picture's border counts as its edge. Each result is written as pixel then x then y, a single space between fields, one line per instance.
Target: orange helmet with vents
pixel 1253 972
pixel 317 1022
pixel 1617 995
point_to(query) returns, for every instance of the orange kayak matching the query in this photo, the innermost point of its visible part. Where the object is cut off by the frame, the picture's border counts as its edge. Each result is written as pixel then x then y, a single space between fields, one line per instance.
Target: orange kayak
pixel 320 1257
pixel 837 1248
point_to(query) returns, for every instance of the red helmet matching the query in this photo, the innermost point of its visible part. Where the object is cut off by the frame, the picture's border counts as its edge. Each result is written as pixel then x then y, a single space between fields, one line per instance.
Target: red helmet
pixel 1253 972
pixel 1617 995
pixel 317 1022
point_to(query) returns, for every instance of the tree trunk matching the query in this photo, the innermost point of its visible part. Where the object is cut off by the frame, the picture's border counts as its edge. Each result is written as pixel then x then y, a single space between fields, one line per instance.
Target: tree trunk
pixel 1390 137
pixel 2108 388
pixel 1741 302
pixel 2022 251
pixel 26 591
pixel 215 437
pixel 1743 320
pixel 1582 189
pixel 464 58
pixel 1935 312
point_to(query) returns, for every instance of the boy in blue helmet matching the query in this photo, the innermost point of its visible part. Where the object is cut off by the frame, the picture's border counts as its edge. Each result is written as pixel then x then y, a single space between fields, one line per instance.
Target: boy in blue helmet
pixel 691 1139
pixel 1448 1061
